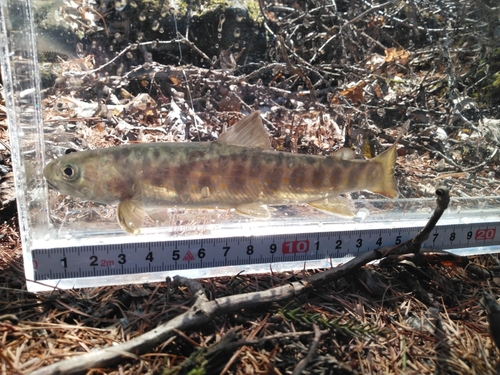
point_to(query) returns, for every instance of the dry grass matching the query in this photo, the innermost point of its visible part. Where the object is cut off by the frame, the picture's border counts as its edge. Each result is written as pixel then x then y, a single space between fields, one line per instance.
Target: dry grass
pixel 372 322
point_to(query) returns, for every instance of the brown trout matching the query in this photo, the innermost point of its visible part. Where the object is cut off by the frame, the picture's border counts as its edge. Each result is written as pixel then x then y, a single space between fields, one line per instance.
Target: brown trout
pixel 240 170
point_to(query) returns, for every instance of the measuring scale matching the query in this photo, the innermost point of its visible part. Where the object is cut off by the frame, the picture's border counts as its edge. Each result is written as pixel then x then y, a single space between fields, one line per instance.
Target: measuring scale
pixel 153 261
pixel 153 256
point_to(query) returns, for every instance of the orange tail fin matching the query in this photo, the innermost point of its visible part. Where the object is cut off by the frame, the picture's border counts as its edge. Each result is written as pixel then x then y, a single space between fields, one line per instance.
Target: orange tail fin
pixel 387 184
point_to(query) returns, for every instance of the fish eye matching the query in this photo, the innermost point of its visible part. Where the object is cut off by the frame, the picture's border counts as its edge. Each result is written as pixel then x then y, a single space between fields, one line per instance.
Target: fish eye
pixel 69 172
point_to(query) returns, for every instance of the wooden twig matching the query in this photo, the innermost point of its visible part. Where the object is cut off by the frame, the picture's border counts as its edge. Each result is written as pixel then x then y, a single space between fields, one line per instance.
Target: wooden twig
pixel 442 346
pixel 182 39
pixel 210 359
pixel 443 200
pixel 428 257
pixel 119 55
pixel 492 307
pixel 295 70
pixel 350 22
pixel 458 166
pixel 301 366
pixel 203 310
pixel 411 246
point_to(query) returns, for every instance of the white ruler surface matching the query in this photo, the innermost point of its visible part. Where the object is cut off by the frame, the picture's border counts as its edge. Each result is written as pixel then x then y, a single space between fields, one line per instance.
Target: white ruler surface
pixel 171 256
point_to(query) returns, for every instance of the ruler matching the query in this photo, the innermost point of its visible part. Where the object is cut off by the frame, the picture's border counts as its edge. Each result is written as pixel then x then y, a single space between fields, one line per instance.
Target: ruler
pixel 225 255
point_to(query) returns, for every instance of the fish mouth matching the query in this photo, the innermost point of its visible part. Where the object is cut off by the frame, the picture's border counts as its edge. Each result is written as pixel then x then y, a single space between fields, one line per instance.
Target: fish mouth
pixel 46 173
pixel 51 185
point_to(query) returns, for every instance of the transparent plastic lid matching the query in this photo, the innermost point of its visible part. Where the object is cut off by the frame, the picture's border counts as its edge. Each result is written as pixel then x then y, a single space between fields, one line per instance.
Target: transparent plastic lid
pixel 323 75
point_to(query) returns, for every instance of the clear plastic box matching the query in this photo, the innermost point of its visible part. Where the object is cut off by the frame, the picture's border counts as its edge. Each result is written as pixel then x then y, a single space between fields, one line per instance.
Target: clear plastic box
pixel 39 93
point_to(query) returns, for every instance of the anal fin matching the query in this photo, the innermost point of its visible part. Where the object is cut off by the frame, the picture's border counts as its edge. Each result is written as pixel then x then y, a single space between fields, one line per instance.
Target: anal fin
pixel 255 210
pixel 337 206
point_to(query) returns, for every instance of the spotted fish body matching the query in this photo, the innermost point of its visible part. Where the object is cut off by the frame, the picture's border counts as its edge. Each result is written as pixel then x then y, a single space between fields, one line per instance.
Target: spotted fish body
pixel 240 170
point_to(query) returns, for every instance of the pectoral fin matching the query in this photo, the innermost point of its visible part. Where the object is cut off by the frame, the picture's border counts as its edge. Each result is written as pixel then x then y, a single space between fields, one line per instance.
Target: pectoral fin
pixel 130 214
pixel 254 210
pixel 337 206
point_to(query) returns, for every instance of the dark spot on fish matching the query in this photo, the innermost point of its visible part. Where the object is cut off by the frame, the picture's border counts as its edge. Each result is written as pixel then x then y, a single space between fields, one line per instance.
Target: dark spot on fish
pixel 224 160
pixel 334 175
pixel 195 156
pixel 268 158
pixel 237 178
pixel 278 160
pixel 243 156
pixel 273 178
pixel 254 169
pixel 181 181
pixel 156 153
pixel 121 154
pixel 298 178
pixel 329 161
pixel 317 175
pixel 158 176
pixel 310 160
pixel 205 181
pixel 70 151
pixel 122 187
pixel 210 166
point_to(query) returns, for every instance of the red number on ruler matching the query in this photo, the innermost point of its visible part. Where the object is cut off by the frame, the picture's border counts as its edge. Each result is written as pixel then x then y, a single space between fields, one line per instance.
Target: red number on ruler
pixel 35 264
pixel 294 247
pixel 485 234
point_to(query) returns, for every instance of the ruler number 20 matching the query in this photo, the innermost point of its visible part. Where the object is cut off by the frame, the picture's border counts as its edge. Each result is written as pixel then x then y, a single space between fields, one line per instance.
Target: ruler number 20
pixel 480 235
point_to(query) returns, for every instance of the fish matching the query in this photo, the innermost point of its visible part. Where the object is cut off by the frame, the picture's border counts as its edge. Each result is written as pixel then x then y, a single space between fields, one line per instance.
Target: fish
pixel 240 170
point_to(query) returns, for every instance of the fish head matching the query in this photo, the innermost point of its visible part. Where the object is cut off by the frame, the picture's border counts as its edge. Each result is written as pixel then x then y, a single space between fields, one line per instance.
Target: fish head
pixel 87 175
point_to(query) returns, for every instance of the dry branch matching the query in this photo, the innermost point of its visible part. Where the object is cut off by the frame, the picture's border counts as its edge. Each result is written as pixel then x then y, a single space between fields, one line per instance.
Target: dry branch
pixel 492 307
pixel 301 366
pixel 204 310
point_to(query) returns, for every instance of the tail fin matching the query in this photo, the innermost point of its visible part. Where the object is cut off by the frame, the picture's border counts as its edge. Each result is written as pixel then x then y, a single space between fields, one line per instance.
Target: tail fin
pixel 387 184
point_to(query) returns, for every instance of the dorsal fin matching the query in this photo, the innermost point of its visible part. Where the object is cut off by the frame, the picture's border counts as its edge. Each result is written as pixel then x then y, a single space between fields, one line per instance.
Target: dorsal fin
pixel 344 153
pixel 248 132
